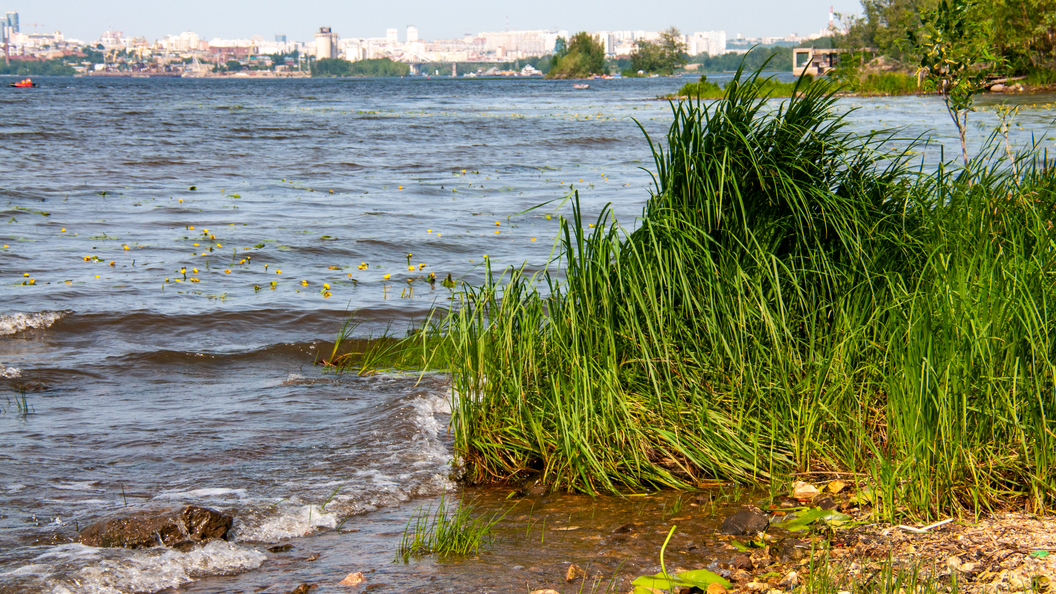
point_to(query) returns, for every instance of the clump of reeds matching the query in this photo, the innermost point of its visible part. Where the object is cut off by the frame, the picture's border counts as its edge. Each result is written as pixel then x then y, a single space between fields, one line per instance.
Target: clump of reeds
pixel 445 531
pixel 705 89
pixel 885 83
pixel 796 297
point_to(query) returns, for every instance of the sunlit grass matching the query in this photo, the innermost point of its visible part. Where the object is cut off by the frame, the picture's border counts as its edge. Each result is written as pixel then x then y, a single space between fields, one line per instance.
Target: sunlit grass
pixel 794 298
pixel 451 529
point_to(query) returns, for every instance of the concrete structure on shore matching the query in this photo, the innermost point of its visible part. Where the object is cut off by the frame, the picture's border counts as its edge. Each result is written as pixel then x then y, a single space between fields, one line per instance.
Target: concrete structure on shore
pixel 325 44
pixel 813 61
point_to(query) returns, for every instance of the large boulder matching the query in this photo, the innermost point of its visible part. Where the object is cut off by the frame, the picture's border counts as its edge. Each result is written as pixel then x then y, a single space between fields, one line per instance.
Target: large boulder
pixel 178 528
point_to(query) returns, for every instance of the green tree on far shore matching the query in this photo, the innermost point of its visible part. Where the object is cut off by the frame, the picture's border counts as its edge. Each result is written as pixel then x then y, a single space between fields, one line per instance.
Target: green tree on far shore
pixel 37 68
pixel 582 57
pixel 660 57
pixel 373 67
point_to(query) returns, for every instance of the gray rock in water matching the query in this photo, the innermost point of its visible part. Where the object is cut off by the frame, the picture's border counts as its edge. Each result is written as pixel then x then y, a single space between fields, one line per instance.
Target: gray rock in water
pixel 178 528
pixel 745 521
pixel 998 88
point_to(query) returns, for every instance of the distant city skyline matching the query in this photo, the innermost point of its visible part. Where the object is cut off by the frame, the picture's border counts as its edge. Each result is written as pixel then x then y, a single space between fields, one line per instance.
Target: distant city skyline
pixel 245 18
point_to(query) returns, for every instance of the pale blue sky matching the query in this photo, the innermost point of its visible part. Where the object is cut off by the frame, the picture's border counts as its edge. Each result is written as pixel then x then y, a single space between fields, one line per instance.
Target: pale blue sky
pixel 300 19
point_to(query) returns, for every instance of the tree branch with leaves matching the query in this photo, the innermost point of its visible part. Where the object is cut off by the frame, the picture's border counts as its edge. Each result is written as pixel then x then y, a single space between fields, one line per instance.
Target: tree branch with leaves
pixel 956 58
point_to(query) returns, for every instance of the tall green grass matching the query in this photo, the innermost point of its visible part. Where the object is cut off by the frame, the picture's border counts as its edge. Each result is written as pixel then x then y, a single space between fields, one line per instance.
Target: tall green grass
pixel 795 297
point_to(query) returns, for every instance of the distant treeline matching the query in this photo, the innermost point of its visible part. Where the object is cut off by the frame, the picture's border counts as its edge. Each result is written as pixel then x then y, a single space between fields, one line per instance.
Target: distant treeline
pixel 780 60
pixel 374 67
pixel 34 68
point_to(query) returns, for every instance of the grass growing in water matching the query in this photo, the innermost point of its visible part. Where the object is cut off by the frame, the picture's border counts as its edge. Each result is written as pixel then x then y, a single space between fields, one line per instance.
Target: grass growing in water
pixel 705 89
pixel 884 83
pixel 794 298
pixel 447 530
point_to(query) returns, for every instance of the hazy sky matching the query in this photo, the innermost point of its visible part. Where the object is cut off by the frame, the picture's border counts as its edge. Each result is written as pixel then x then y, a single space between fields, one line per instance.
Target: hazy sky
pixel 299 19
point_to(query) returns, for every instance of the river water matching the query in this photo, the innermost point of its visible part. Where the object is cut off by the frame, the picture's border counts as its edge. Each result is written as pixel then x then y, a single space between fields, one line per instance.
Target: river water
pixel 177 254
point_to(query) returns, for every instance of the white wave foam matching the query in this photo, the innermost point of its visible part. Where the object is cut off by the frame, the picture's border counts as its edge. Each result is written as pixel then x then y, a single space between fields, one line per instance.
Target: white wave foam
pixel 20 322
pixel 86 570
pixel 77 486
pixel 198 494
pixel 283 523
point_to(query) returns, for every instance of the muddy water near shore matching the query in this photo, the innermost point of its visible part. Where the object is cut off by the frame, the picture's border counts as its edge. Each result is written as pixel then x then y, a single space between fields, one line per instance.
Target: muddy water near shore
pixel 613 539
pixel 176 255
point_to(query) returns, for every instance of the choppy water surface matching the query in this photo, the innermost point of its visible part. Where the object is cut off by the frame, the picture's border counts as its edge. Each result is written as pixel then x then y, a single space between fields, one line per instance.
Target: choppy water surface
pixel 166 359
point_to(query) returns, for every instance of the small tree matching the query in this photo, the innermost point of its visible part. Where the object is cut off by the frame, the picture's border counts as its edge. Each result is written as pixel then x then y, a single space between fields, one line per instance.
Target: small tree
pixel 581 57
pixel 662 56
pixel 955 58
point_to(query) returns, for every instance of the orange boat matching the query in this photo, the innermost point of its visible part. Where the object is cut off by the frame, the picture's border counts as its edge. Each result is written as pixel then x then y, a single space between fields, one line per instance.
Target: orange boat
pixel 24 84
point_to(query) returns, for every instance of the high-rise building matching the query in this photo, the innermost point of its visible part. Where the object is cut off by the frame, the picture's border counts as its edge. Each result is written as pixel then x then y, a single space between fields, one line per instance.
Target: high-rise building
pixel 11 20
pixel 712 43
pixel 280 38
pixel 412 33
pixel 392 35
pixel 325 44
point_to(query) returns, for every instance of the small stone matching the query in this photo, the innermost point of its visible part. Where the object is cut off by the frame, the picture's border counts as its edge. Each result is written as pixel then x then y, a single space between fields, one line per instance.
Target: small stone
pixel 739 575
pixel 574 572
pixel 998 88
pixel 953 563
pixel 544 591
pixel 792 548
pixel 352 579
pixel 303 589
pixel 741 561
pixel 804 491
pixel 789 581
pixel 826 503
pixel 745 521
pixel 758 586
pixel 835 486
pixel 716 588
pixel 967 567
pixel 775 591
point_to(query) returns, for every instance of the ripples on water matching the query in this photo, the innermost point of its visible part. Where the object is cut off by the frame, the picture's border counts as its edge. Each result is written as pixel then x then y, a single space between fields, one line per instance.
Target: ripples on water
pixel 148 389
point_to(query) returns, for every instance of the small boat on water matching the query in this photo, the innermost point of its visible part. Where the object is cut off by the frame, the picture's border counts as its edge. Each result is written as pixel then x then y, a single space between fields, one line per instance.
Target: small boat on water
pixel 24 84
pixel 581 86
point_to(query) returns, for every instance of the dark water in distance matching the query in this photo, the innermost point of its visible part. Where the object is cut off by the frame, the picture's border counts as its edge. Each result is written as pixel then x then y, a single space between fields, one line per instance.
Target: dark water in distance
pixel 148 388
